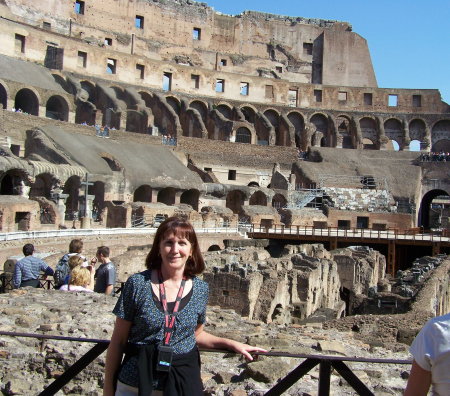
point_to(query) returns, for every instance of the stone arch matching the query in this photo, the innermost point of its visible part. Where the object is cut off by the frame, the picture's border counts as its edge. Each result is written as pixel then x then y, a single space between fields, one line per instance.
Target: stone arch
pixel 85 113
pixel 175 103
pixel 344 133
pixel 137 121
pixel 27 100
pixel 14 182
pixel 72 188
pixel 440 133
pixel 425 207
pixel 91 89
pixel 320 136
pixel 225 110
pixel 214 248
pixel 167 196
pixel 98 191
pixel 279 201
pixel 368 144
pixel 394 131
pixel 418 132
pixel 243 135
pixel 235 201
pixel 253 184
pixel 201 107
pixel 190 197
pixel 298 122
pixel 369 130
pixel 143 194
pixel 258 198
pixel 249 113
pixel 147 98
pixel 273 116
pixel 57 108
pixel 42 185
pixel 3 96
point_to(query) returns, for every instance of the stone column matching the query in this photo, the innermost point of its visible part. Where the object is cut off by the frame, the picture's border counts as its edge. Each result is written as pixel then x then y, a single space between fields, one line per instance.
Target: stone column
pixel 60 199
pixel 178 197
pixel 86 210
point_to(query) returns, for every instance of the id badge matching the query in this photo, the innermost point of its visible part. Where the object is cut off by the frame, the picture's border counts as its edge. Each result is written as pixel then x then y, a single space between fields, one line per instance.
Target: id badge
pixel 164 361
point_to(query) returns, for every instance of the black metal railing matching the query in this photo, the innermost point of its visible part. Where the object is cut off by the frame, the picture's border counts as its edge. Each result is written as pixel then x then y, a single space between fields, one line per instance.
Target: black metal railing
pixel 326 364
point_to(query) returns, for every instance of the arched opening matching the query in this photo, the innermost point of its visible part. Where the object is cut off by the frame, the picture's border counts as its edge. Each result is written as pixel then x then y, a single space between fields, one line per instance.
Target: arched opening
pixel 190 197
pixel 243 135
pixel 273 117
pixel 27 102
pixel 225 111
pixel 235 200
pixel 91 90
pixel 417 133
pixel 147 98
pixel 72 188
pixel 394 131
pixel 85 113
pixel 13 183
pixel 253 184
pixel 434 210
pixel 440 134
pixel 369 131
pixel 200 107
pixel 414 145
pixel 258 198
pixel 320 123
pixel 3 97
pixel 214 248
pixel 297 121
pixel 42 186
pixel 136 121
pixel 167 196
pixel 98 204
pixel 279 201
pixel 368 144
pixel 143 194
pixel 249 114
pixel 111 118
pixel 174 103
pixel 57 108
pixel 344 132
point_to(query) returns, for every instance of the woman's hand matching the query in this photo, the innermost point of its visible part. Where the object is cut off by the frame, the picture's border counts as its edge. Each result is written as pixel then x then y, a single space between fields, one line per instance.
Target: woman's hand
pixel 244 349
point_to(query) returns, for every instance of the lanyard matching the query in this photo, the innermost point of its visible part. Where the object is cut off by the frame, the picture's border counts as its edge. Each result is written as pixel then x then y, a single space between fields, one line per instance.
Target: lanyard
pixel 169 318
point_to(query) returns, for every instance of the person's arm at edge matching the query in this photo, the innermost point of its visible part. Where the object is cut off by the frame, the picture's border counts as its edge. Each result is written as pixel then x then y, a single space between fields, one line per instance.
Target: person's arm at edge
pixel 207 340
pixel 114 354
pixel 419 381
pixel 48 271
pixel 17 278
pixel 109 289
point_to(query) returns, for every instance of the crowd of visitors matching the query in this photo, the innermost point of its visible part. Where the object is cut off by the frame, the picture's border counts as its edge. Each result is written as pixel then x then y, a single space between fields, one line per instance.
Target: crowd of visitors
pixel 73 271
pixel 169 140
pixel 435 157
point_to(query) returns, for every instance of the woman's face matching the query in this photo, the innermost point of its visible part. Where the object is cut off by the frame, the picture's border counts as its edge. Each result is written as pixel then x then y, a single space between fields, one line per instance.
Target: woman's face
pixel 174 251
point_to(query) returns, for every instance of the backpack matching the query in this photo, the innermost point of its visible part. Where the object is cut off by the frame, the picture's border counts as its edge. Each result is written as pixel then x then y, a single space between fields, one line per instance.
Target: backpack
pixel 61 271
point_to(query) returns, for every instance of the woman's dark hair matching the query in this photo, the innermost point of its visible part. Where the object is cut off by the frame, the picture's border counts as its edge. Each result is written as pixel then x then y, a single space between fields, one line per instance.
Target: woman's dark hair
pixel 182 229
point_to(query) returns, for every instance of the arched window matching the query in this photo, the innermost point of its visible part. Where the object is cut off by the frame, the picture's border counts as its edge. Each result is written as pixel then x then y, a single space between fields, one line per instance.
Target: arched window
pixel 243 135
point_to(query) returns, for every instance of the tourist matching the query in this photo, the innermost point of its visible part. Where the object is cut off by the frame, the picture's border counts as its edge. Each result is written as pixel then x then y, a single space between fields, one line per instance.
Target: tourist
pixel 105 276
pixel 27 270
pixel 75 261
pixel 431 353
pixel 167 292
pixel 98 131
pixel 62 268
pixel 106 132
pixel 80 279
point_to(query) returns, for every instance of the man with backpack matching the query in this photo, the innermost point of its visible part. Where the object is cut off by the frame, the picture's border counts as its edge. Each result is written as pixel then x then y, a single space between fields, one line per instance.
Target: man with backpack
pixel 62 268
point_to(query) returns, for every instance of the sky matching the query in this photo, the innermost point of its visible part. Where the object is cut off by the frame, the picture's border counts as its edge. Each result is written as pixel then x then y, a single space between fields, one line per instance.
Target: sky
pixel 409 40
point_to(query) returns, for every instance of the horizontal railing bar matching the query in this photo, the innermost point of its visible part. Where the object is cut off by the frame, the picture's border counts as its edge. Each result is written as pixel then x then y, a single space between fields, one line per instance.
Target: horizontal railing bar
pixel 279 354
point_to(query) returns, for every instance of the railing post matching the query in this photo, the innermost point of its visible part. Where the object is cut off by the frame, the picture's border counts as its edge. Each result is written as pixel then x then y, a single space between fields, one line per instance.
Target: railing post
pixel 324 378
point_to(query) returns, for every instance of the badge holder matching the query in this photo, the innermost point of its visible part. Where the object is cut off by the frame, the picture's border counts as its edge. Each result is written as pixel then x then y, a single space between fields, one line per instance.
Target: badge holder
pixel 164 361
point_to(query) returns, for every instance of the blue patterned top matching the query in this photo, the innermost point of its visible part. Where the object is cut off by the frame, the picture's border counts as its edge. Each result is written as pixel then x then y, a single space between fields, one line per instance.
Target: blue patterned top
pixel 137 306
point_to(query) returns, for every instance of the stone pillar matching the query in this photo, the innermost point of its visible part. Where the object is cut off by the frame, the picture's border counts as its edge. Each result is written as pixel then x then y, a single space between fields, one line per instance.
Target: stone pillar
pixel 71 117
pixel 60 200
pixel 42 111
pixel 178 197
pixel 86 210
pixel 154 195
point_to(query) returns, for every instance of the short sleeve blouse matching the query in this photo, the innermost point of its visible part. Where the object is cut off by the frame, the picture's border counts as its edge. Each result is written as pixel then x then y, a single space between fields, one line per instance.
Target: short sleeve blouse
pixel 136 305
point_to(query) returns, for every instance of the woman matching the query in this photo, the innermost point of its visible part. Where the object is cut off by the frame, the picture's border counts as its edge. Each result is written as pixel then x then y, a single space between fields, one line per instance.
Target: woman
pixel 80 279
pixel 431 364
pixel 160 315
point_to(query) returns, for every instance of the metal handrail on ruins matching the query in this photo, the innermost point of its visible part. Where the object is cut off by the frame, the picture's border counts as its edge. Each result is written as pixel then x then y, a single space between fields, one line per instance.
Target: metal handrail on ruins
pixel 326 364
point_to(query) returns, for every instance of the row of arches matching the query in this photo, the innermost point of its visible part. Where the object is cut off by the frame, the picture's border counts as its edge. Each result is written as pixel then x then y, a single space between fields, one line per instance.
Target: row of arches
pixel 140 111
